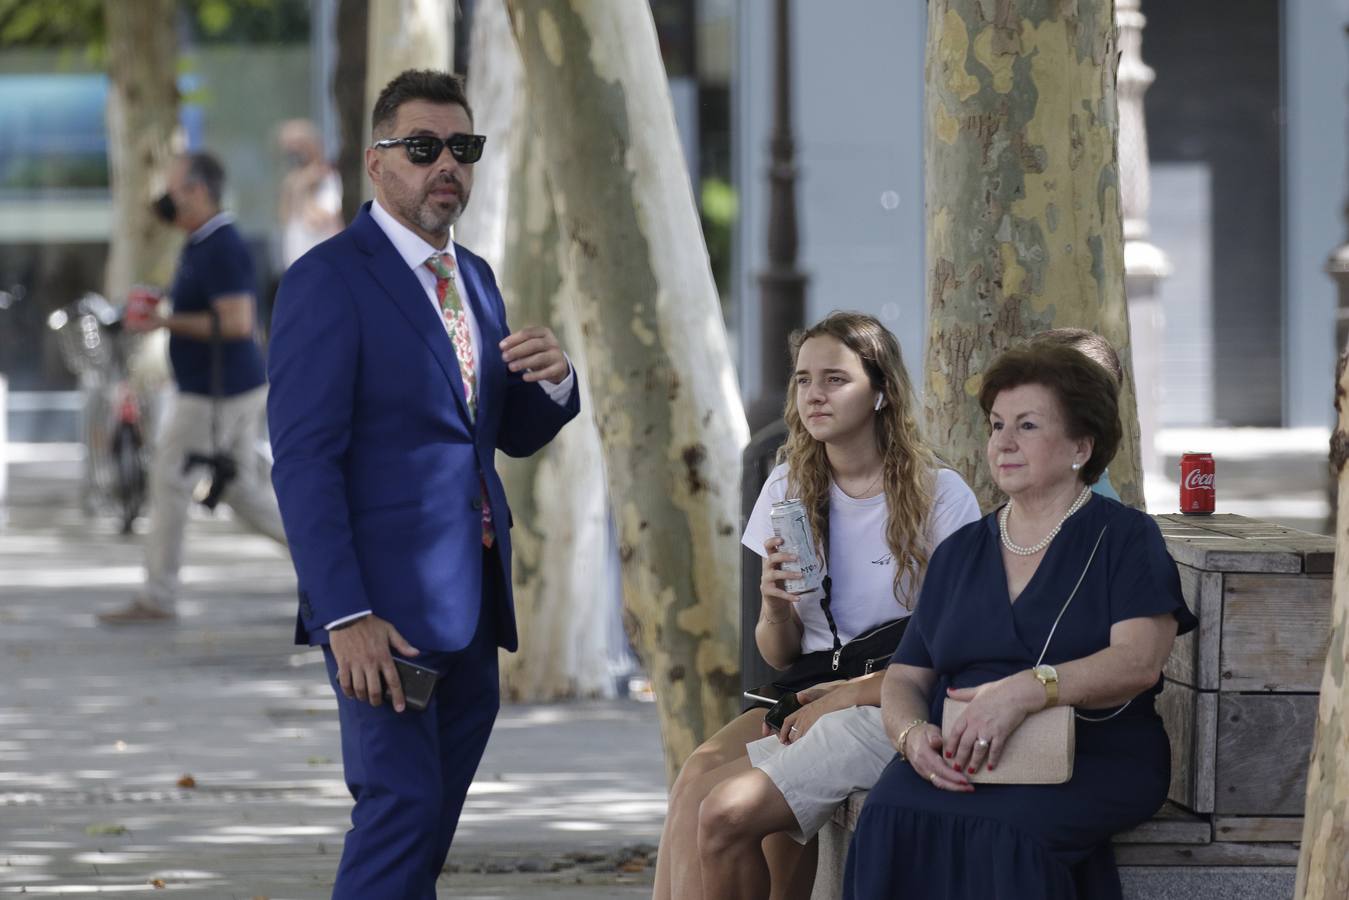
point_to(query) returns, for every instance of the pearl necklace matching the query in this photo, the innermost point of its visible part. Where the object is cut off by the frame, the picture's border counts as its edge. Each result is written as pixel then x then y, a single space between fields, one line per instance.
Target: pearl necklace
pixel 1044 541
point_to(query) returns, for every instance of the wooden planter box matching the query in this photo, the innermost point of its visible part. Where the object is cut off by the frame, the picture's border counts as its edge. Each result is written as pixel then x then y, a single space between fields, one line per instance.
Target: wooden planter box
pixel 1241 694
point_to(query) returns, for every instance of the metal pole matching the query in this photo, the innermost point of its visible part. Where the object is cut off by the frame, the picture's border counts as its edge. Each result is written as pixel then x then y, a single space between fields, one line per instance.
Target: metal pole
pixel 782 286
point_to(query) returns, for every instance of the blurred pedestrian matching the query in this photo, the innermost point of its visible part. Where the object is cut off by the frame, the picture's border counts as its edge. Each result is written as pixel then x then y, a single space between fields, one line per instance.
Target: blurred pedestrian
pixel 1098 350
pixel 214 281
pixel 310 204
pixel 395 380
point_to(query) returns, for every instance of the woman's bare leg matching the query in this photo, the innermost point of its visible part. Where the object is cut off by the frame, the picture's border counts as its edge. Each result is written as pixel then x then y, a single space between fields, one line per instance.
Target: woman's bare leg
pixel 738 814
pixel 679 837
pixel 792 866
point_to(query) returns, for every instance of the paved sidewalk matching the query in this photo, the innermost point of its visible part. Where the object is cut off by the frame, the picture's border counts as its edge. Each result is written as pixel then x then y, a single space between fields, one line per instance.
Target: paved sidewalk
pixel 202 757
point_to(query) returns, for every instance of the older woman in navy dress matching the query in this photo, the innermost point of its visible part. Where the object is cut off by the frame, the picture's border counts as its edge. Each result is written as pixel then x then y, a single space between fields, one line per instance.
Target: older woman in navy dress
pixel 992 593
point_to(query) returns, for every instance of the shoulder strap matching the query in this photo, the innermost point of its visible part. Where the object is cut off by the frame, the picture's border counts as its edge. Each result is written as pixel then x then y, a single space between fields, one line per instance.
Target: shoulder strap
pixel 1080 578
pixel 829 617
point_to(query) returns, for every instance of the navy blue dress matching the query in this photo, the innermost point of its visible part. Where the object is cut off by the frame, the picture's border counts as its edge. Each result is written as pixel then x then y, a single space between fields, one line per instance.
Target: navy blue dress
pixel 1011 842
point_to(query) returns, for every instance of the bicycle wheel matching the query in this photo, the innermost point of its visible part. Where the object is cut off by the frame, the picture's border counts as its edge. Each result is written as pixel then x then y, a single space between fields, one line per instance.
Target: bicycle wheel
pixel 126 445
pixel 99 490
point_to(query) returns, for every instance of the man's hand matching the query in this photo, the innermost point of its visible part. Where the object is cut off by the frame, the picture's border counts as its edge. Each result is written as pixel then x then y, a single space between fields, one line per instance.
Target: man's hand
pixel 144 324
pixel 536 352
pixel 362 653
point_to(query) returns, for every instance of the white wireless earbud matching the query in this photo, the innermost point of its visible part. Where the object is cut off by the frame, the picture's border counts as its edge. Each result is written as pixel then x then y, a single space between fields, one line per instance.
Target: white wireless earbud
pixel 880 401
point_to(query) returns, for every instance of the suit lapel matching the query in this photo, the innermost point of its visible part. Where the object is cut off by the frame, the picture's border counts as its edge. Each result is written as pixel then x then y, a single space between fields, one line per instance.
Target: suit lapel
pixel 409 297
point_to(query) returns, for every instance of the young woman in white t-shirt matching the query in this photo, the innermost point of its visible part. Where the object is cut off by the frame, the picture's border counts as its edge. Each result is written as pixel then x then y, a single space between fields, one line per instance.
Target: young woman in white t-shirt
pixel 747 804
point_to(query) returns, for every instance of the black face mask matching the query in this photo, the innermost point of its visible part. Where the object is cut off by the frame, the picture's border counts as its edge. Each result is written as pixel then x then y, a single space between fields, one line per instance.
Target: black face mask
pixel 165 209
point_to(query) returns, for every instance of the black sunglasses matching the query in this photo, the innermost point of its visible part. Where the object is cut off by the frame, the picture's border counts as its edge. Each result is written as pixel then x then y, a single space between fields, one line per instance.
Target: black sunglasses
pixel 423 149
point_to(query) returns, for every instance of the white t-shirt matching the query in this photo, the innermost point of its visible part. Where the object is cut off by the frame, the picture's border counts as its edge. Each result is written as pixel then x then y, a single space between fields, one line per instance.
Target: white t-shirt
pixel 860 564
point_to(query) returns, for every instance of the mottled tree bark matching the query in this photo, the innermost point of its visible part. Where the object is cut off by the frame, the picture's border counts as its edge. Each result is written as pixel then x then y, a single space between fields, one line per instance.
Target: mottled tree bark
pixel 1023 207
pixel 142 114
pixel 497 98
pixel 563 595
pixel 405 34
pixel 665 398
pixel 1323 864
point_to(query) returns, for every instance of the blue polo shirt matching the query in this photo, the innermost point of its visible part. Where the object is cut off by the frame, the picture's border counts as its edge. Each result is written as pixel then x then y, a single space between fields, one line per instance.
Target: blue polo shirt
pixel 215 263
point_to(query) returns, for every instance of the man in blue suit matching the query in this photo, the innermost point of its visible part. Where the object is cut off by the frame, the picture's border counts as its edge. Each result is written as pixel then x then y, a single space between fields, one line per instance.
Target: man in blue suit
pixel 394 380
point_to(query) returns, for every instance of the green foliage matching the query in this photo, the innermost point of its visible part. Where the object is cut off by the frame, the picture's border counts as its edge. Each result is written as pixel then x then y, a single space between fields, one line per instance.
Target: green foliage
pixel 720 206
pixel 248 21
pixel 38 172
pixel 79 23
pixel 52 23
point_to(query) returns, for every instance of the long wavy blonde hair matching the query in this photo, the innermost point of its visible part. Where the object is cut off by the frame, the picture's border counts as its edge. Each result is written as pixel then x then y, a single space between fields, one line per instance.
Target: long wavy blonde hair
pixel 908 464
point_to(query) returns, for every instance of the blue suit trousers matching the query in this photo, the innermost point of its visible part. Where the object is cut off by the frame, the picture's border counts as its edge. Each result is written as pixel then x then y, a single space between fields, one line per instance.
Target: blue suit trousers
pixel 409 772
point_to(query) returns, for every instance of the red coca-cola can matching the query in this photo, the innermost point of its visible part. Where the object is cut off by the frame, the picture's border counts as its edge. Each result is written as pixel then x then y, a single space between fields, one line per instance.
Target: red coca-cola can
pixel 142 302
pixel 1196 484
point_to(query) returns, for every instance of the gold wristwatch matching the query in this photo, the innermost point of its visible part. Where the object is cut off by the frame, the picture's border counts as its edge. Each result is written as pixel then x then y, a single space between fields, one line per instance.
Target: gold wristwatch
pixel 1049 677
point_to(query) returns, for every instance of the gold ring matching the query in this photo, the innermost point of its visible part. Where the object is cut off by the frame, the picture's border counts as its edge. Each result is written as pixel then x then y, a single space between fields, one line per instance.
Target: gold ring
pixel 932 778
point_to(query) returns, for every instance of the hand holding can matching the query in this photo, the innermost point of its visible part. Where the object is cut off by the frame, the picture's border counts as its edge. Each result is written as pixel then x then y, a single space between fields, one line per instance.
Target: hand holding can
pixel 142 302
pixel 791 524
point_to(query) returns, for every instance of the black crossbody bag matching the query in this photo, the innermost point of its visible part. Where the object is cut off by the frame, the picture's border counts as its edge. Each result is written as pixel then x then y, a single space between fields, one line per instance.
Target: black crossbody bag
pixel 864 654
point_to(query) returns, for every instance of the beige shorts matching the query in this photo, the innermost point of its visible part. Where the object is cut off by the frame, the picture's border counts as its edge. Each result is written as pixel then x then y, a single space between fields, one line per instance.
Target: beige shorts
pixel 843 751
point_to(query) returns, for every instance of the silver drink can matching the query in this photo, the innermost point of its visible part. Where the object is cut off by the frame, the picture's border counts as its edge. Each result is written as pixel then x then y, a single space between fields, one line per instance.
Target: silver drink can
pixel 791 523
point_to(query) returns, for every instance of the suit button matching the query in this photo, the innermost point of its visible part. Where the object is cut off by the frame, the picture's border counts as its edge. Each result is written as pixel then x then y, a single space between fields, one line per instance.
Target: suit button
pixel 476 503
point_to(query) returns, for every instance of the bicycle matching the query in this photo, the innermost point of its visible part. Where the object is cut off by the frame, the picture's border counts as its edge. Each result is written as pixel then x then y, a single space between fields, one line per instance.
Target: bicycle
pixel 93 346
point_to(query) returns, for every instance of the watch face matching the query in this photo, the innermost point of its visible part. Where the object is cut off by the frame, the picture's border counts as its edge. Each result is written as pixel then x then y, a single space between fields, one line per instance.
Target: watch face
pixel 1046 673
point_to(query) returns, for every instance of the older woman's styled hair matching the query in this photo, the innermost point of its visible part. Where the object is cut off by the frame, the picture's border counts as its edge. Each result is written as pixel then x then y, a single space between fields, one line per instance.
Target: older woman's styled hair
pixel 1088 397
pixel 1088 342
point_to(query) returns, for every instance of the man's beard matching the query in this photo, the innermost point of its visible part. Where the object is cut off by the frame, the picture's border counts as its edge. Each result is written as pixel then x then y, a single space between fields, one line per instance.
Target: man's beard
pixel 433 218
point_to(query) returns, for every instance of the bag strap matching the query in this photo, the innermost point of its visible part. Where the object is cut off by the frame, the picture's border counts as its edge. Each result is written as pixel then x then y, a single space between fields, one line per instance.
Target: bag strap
pixel 1080 579
pixel 827 599
pixel 829 617
pixel 1056 625
pixel 217 378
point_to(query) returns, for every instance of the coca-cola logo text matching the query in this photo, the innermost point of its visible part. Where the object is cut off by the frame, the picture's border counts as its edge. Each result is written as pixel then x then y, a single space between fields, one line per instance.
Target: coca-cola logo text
pixel 1197 480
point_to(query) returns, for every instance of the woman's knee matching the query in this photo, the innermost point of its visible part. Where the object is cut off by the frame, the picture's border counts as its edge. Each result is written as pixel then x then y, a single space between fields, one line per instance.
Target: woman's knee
pixel 688 795
pixel 725 817
pixel 692 779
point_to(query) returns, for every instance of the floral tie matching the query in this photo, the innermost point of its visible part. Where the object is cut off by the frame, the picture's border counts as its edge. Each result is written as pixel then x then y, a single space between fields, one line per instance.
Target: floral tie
pixel 456 325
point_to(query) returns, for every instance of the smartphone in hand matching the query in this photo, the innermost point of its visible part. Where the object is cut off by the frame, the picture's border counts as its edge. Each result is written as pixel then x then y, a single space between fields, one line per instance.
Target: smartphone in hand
pixel 418 682
pixel 777 715
pixel 765 695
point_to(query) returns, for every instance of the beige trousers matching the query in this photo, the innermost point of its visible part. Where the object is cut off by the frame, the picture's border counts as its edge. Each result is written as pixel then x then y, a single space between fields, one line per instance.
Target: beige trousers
pixel 186 430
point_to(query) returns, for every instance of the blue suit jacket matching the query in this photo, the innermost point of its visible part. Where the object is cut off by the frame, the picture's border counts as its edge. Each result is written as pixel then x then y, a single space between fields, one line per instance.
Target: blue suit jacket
pixel 377 464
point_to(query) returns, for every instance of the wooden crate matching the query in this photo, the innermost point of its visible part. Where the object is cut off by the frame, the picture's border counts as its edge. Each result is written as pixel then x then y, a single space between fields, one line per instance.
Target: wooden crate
pixel 1241 694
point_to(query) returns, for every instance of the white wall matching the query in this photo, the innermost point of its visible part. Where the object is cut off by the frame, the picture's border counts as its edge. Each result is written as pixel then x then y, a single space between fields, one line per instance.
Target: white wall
pixel 1316 96
pixel 858 99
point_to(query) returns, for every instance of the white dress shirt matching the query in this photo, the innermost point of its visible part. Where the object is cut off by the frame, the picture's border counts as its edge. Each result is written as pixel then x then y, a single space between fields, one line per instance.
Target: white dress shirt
pixel 415 252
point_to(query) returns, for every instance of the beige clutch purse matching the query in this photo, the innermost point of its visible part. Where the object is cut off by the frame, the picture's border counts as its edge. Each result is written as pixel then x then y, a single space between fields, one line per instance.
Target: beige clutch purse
pixel 1040 751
